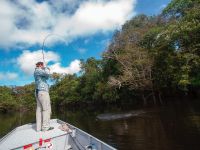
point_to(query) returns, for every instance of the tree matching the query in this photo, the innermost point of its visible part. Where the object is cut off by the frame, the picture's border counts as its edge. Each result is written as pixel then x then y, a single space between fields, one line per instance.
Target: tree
pixel 175 46
pixel 179 8
pixel 135 63
pixel 7 101
pixel 65 91
pixel 91 74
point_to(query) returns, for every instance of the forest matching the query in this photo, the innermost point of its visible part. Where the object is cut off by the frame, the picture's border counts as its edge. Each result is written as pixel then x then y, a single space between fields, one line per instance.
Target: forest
pixel 150 59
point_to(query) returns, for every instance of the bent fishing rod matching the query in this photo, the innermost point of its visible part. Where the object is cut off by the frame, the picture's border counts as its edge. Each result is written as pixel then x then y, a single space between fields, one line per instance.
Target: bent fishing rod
pixel 45 39
pixel 43 43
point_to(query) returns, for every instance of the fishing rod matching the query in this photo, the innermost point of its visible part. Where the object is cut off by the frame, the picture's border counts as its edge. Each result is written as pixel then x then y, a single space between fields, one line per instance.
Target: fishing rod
pixel 49 35
pixel 43 43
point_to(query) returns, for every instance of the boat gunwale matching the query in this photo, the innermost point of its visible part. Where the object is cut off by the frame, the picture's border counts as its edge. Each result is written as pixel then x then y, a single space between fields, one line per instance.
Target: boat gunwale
pixel 91 136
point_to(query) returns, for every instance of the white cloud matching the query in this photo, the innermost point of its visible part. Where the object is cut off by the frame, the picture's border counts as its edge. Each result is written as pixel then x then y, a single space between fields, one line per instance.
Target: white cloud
pixel 8 76
pixel 163 6
pixel 28 22
pixel 1 76
pixel 27 60
pixel 94 16
pixel 11 76
pixel 86 41
pixel 74 67
pixel 81 50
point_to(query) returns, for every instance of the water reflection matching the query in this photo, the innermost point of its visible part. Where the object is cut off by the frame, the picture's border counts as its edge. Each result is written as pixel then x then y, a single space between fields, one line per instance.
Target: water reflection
pixel 175 126
pixel 9 121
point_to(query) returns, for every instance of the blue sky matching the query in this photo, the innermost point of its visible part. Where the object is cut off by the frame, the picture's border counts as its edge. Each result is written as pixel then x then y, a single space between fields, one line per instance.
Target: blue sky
pixel 85 28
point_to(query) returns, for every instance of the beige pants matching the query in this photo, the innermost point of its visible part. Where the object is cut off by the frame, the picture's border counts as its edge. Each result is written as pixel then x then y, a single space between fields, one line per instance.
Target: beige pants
pixel 43 111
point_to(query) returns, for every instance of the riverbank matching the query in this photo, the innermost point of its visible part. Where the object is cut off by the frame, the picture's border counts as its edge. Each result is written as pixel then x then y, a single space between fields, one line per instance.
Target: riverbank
pixel 131 103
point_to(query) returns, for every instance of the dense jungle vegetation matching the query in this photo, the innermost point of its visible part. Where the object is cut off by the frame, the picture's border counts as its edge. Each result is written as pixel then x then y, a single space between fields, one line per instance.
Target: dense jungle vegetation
pixel 150 58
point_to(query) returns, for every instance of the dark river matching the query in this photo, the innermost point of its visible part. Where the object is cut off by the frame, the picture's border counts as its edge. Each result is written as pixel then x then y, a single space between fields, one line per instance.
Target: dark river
pixel 174 126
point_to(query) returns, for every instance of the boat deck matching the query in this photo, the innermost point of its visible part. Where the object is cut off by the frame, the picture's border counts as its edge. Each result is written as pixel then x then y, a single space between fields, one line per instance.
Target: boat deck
pixel 25 137
pixel 29 135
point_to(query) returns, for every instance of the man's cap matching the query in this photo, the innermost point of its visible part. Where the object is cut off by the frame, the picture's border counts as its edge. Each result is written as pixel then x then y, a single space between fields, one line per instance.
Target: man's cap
pixel 39 63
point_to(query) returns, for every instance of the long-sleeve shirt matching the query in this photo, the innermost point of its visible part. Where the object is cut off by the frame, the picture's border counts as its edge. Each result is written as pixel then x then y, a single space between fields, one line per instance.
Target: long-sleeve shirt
pixel 41 76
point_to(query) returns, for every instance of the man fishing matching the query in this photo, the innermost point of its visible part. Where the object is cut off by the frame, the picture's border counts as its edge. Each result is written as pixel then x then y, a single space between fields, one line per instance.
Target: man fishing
pixel 43 111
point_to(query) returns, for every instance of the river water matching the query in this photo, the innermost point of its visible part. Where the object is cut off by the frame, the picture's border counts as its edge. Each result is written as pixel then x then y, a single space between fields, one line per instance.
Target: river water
pixel 174 126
